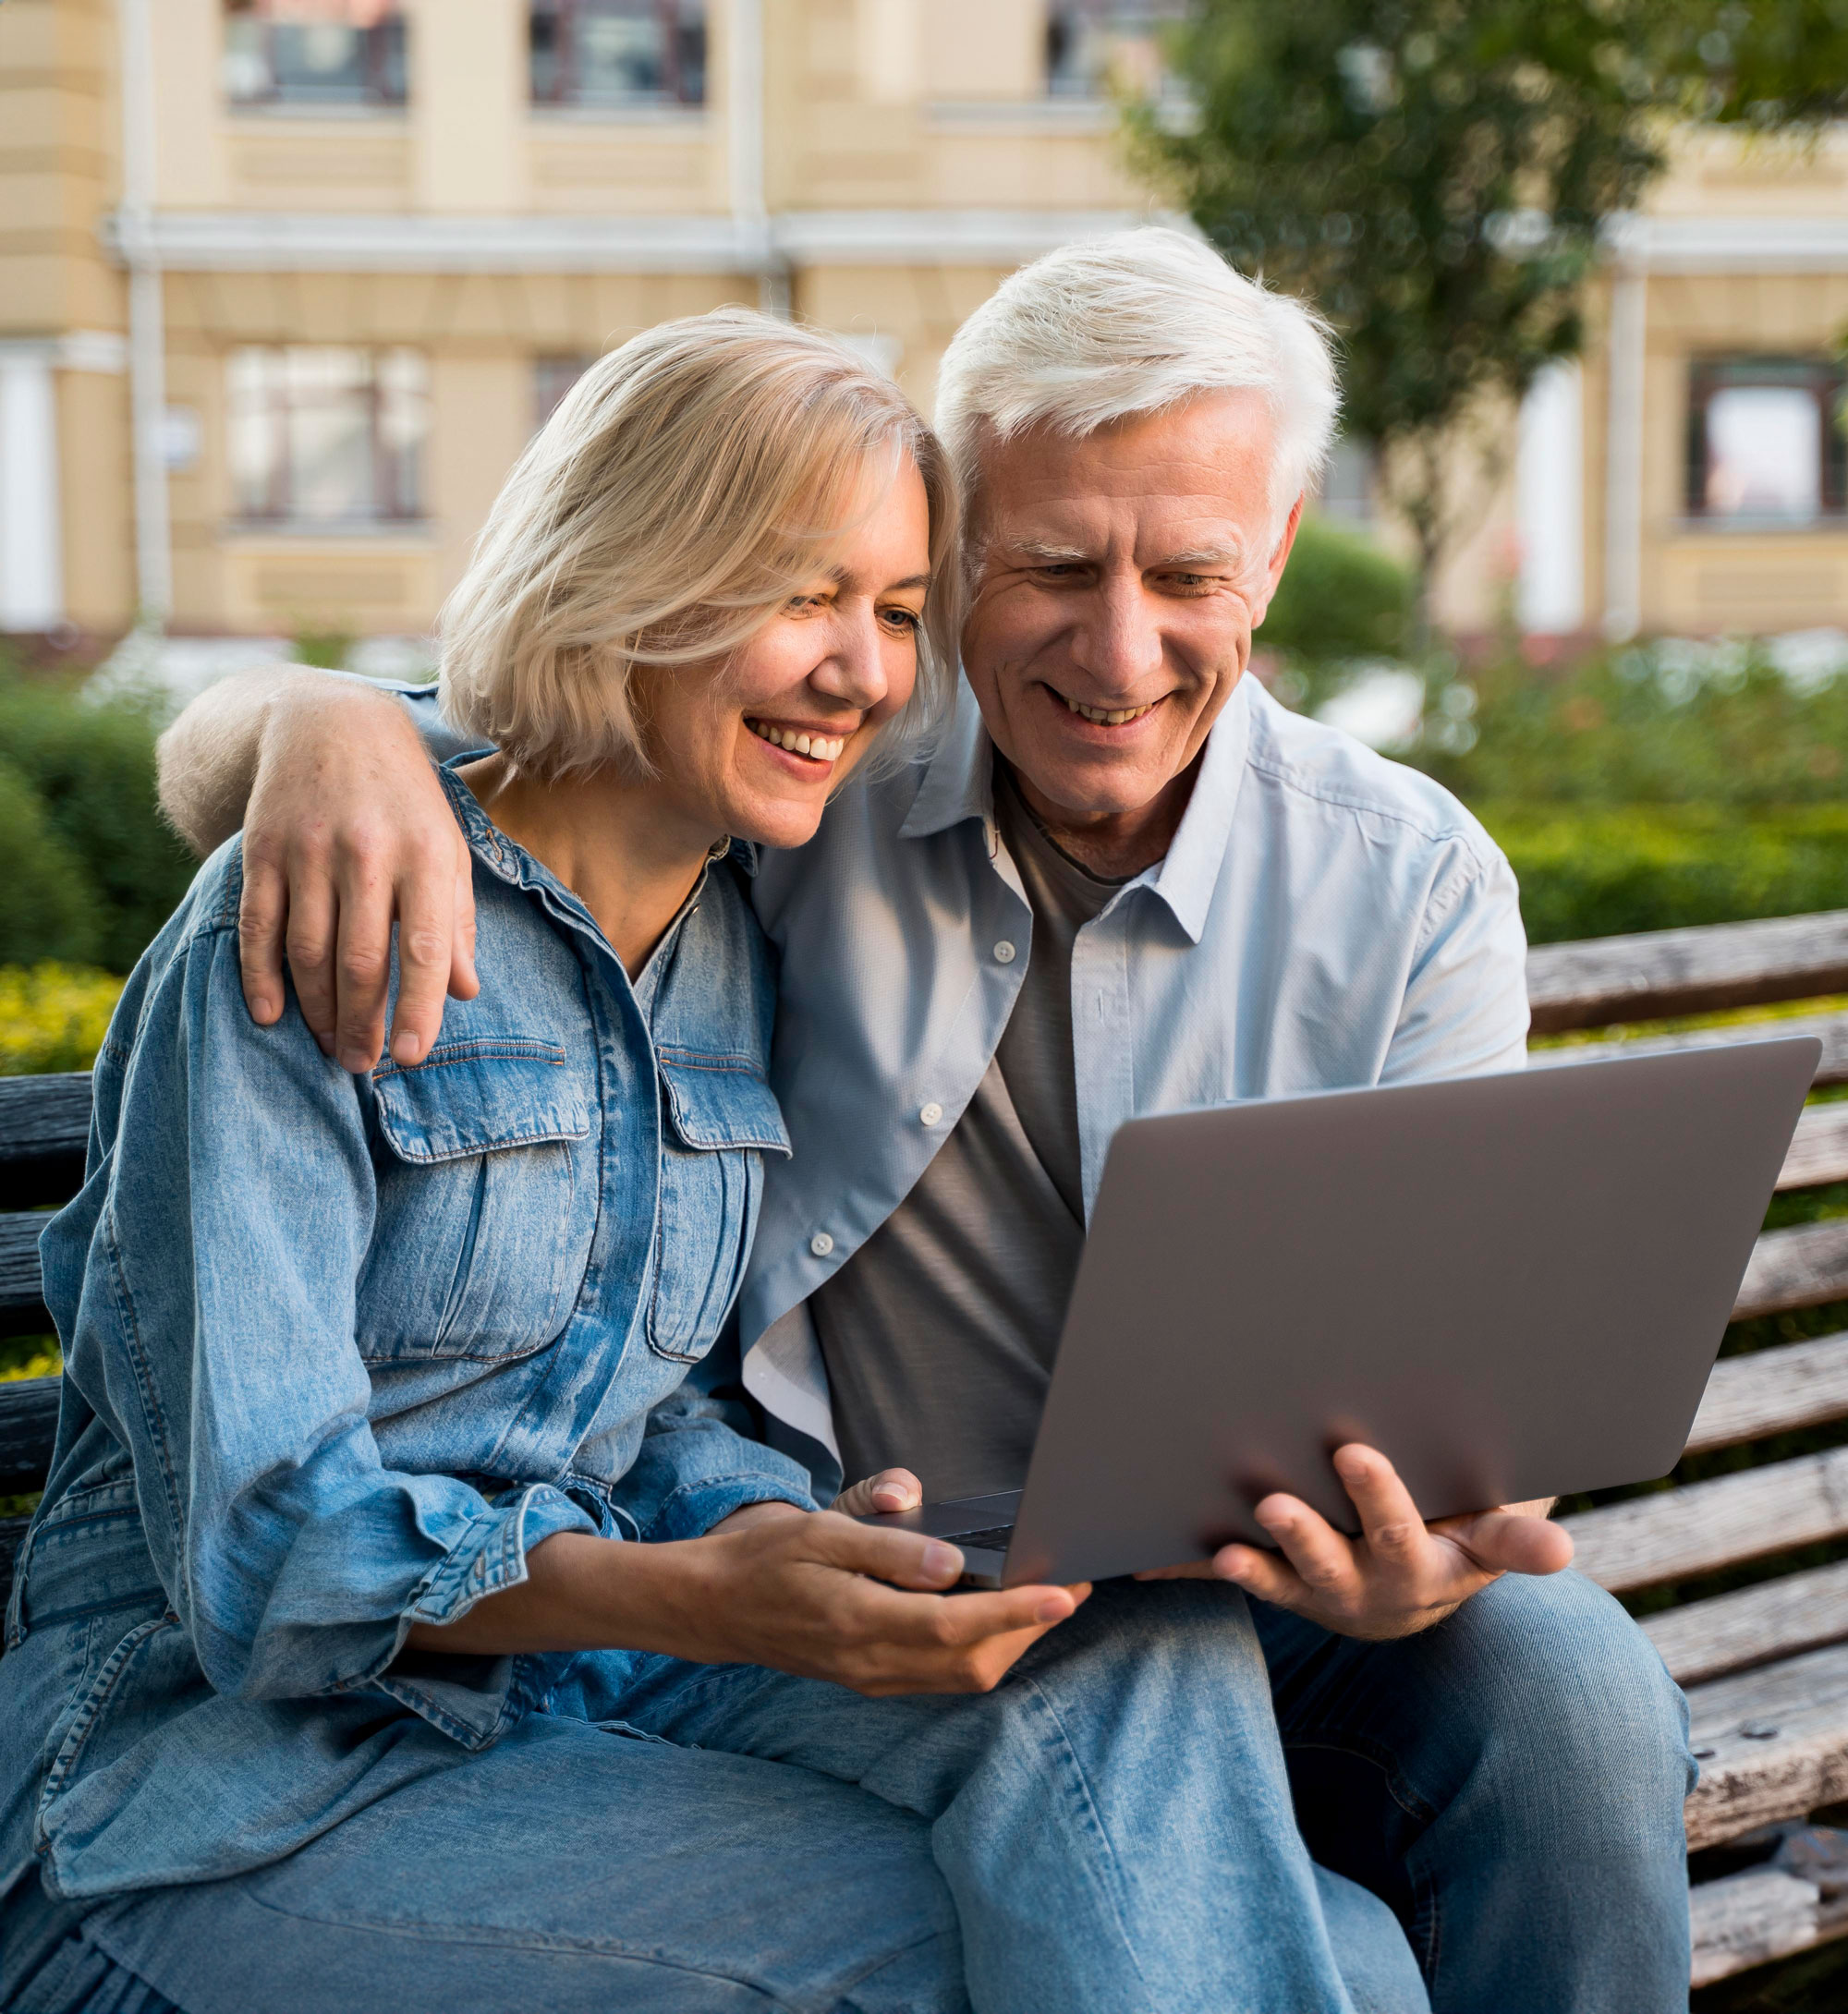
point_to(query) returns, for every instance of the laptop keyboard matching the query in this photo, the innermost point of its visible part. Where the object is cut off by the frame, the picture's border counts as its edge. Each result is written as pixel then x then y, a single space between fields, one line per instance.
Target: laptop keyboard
pixel 994 1539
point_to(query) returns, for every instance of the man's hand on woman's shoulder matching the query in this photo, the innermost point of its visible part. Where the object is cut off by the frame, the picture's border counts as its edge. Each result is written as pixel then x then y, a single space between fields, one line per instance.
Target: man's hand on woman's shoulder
pixel 346 831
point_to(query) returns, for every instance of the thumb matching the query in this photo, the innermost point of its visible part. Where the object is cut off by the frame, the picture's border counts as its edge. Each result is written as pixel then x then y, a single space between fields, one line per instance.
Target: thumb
pixel 891 1489
pixel 1511 1542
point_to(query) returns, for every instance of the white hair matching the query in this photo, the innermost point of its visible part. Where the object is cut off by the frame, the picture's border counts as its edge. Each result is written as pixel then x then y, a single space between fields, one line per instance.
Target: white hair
pixel 1134 323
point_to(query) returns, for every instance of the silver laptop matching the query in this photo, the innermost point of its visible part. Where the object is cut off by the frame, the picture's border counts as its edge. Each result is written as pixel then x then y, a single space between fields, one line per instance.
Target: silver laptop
pixel 1512 1286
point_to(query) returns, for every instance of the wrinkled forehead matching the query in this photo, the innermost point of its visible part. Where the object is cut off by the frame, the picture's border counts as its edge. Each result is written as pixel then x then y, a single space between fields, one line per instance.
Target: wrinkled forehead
pixel 1194 481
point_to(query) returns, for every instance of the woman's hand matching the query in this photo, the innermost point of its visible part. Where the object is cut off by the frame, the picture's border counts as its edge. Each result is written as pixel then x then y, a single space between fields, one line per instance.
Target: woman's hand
pixel 811 1593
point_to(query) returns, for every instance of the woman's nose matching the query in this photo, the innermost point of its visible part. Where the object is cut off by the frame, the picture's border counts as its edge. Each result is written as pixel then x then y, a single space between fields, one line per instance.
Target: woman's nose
pixel 855 669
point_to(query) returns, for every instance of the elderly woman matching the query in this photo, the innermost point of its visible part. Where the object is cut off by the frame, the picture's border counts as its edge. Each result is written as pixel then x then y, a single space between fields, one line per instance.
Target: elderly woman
pixel 405 1625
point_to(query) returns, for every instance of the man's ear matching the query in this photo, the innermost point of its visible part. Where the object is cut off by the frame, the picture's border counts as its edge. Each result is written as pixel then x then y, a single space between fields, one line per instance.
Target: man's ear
pixel 1274 571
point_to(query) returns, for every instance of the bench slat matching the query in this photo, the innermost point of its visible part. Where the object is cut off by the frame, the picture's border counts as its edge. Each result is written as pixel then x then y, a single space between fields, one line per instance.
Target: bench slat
pixel 1819 1153
pixel 1707 1639
pixel 1698 970
pixel 22 1307
pixel 44 1127
pixel 1794 1759
pixel 28 1422
pixel 1747 1919
pixel 1831 1030
pixel 1770 1391
pixel 1800 1268
pixel 1703 1526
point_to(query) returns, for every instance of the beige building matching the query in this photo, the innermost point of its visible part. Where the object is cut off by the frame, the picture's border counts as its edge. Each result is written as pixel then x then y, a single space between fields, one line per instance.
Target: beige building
pixel 286 283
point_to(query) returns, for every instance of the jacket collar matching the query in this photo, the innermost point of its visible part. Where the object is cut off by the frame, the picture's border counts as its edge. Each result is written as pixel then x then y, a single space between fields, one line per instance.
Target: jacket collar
pixel 958 783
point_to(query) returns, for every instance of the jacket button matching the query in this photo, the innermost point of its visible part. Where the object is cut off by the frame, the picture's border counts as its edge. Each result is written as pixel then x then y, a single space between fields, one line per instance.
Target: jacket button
pixel 821 1245
pixel 1003 953
pixel 930 1114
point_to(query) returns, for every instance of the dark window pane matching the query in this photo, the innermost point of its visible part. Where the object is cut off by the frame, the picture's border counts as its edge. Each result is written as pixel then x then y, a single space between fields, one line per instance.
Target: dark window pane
pixel 275 57
pixel 552 377
pixel 1764 439
pixel 617 52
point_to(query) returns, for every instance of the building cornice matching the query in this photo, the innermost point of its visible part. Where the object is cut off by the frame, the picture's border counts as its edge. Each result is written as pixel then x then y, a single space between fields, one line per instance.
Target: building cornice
pixel 236 241
pixel 1728 244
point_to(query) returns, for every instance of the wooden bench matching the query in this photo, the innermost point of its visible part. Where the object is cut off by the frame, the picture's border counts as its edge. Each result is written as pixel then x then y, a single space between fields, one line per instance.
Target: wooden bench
pixel 1766 1667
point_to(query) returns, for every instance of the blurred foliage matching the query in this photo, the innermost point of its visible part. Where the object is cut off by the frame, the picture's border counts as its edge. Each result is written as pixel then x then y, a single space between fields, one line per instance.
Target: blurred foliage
pixel 1436 174
pixel 48 906
pixel 1340 599
pixel 1668 722
pixel 99 870
pixel 53 1018
pixel 1600 873
pixel 327 647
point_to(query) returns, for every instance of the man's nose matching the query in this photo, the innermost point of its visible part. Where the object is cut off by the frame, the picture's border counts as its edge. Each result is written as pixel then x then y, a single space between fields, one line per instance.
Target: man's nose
pixel 1119 639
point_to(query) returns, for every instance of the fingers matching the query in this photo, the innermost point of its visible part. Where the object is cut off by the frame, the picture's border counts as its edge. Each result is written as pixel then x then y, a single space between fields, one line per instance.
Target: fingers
pixel 426 906
pixel 1390 1519
pixel 463 983
pixel 261 910
pixel 1510 1542
pixel 308 938
pixel 891 1489
pixel 1264 1575
pixel 908 1559
pixel 1322 1557
pixel 362 968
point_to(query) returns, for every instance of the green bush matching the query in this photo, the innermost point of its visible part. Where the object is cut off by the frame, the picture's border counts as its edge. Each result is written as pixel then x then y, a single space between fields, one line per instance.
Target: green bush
pixel 48 902
pixel 1673 722
pixel 1592 871
pixel 92 770
pixel 1340 599
pixel 53 1018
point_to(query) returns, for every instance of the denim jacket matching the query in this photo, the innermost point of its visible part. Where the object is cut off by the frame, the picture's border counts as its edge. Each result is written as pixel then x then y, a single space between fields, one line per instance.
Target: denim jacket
pixel 340 1350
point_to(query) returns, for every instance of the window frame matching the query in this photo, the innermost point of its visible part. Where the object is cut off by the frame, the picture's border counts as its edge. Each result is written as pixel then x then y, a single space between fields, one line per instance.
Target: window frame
pixel 680 73
pixel 386 63
pixel 1824 378
pixel 396 474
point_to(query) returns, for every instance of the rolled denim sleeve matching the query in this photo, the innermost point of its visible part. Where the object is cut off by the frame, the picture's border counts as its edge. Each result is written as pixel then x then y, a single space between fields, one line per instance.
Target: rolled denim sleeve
pixel 699 1463
pixel 214 1334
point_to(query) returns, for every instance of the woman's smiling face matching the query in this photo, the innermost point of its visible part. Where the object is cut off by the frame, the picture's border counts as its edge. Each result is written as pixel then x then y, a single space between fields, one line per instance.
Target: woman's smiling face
pixel 757 747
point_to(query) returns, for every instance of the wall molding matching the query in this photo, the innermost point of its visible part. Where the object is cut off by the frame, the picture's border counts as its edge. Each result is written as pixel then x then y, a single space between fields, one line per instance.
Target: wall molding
pixel 235 241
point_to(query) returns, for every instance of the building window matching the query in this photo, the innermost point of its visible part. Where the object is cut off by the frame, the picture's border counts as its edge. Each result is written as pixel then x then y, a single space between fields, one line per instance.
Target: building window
pixel 1349 481
pixel 328 437
pixel 1768 441
pixel 616 53
pixel 1094 47
pixel 552 377
pixel 313 53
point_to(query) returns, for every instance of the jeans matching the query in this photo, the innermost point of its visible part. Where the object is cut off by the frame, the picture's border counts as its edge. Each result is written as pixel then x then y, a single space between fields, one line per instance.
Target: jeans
pixel 1111 1828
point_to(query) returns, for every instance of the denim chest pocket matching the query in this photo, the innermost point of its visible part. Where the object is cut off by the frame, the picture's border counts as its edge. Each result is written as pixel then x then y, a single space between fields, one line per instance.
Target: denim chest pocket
pixel 719 1117
pixel 486 1202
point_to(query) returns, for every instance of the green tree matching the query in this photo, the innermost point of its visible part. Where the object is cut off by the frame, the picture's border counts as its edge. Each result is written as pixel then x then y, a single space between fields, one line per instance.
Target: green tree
pixel 1436 174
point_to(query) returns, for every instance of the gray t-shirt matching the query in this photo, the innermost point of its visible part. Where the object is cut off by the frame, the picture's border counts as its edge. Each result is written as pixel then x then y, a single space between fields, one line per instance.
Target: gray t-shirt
pixel 940 1333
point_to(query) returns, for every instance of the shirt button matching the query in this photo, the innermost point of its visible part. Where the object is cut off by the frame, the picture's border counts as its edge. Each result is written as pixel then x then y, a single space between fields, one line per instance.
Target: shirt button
pixel 1003 953
pixel 821 1245
pixel 930 1114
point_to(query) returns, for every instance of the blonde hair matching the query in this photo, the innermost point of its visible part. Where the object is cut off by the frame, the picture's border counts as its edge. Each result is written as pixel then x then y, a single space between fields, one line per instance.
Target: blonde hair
pixel 690 482
pixel 1132 324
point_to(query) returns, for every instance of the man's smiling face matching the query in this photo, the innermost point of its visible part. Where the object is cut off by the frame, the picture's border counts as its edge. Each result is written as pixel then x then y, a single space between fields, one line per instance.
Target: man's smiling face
pixel 1120 578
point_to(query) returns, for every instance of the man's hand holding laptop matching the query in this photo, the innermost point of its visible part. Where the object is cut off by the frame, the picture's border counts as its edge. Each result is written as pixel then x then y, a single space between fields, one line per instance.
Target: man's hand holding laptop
pixel 1399 1576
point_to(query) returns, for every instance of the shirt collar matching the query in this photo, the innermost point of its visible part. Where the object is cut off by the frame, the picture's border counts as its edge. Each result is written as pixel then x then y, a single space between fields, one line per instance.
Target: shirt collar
pixel 958 784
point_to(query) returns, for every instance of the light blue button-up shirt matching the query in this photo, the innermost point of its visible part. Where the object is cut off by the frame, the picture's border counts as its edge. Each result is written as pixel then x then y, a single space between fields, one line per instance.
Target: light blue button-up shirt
pixel 1325 919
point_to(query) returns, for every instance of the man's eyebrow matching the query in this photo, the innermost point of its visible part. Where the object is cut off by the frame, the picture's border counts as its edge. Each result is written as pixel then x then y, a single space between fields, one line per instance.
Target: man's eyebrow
pixel 1041 549
pixel 1206 555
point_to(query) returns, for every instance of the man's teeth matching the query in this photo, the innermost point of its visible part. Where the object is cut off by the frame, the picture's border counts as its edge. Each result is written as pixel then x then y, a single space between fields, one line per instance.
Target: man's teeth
pixel 1107 717
pixel 817 747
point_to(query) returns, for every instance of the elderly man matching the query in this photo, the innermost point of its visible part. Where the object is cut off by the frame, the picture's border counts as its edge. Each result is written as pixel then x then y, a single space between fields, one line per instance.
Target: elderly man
pixel 1121 880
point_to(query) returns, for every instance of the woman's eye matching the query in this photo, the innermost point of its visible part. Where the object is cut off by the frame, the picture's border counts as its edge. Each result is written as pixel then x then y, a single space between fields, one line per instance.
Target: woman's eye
pixel 907 619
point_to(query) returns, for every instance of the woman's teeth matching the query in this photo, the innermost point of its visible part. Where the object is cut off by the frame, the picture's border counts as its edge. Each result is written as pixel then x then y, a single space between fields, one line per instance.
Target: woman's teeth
pixel 1106 717
pixel 817 747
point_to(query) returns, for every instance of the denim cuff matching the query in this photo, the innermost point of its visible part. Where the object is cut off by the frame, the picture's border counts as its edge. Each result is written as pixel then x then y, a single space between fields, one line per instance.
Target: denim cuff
pixel 492 1553
pixel 691 1511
